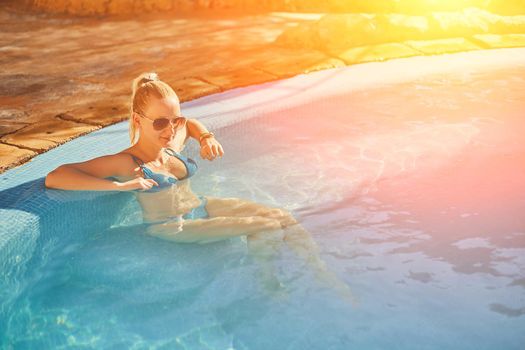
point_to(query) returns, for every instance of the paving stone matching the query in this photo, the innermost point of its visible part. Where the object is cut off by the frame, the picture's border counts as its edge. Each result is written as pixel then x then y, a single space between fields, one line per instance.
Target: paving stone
pixel 238 78
pixel 191 88
pixel 375 53
pixel 284 62
pixel 500 41
pixel 101 112
pixel 11 120
pixel 11 156
pixel 440 46
pixel 9 127
pixel 47 133
pixel 175 66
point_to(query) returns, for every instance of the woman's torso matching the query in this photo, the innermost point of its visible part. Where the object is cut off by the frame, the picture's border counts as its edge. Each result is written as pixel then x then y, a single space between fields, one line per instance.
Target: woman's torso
pixel 173 196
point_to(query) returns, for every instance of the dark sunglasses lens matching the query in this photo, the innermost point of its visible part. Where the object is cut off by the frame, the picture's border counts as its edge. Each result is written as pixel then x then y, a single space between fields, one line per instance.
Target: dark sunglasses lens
pixel 179 122
pixel 161 123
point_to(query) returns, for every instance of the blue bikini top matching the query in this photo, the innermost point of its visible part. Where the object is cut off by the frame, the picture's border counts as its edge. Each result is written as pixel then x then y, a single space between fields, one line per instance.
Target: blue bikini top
pixel 166 180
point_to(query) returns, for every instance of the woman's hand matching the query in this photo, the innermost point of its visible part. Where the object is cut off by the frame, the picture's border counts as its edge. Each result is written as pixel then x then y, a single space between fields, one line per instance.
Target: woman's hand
pixel 211 148
pixel 138 183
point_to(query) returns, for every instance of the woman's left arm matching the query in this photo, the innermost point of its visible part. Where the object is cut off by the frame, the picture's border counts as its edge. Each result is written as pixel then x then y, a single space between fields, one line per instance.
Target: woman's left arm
pixel 210 147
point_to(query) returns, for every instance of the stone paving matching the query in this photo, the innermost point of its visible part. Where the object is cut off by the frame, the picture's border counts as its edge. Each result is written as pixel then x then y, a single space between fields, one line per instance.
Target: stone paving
pixel 63 77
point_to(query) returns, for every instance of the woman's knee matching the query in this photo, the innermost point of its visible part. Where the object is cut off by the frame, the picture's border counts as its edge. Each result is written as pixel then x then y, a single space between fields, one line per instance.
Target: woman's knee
pixel 260 223
pixel 284 216
pixel 269 212
pixel 217 206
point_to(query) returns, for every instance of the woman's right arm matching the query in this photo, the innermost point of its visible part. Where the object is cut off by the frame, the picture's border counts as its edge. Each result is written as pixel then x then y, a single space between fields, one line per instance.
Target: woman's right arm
pixel 90 175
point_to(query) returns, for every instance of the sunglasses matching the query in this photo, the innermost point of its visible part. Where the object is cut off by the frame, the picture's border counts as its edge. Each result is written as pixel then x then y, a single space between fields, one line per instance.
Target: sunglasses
pixel 163 122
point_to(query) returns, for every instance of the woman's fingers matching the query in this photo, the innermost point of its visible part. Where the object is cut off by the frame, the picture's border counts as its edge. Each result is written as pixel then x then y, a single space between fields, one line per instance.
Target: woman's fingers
pixel 217 150
pixel 214 151
pixel 138 183
pixel 152 182
pixel 146 184
pixel 210 152
pixel 204 152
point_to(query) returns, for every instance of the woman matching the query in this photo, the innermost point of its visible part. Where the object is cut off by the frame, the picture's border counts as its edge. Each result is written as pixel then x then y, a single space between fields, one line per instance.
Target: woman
pixel 153 167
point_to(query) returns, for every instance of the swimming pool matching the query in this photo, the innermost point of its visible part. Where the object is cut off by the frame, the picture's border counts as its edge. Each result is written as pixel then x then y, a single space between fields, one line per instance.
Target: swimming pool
pixel 412 185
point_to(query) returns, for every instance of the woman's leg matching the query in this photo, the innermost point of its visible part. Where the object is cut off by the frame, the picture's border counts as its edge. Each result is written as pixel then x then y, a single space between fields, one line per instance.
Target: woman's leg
pixel 244 208
pixel 217 228
pixel 265 244
pixel 303 245
pixel 212 229
pixel 297 238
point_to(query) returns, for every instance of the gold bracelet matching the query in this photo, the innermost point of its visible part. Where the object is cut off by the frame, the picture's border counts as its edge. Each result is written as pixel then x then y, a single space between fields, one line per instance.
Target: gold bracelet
pixel 205 135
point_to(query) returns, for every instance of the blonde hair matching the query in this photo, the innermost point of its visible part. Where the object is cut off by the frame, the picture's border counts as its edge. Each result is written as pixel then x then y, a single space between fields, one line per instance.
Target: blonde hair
pixel 144 87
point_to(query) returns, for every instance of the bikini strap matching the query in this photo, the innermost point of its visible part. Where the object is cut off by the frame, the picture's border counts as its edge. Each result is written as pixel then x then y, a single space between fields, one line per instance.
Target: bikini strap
pixel 137 160
pixel 171 152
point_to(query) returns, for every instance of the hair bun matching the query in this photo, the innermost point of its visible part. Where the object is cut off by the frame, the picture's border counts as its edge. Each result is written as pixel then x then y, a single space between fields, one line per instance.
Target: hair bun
pixel 142 79
pixel 147 77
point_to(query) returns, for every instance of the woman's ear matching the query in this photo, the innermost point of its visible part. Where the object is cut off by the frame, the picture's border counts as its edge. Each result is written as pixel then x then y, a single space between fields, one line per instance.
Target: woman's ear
pixel 136 118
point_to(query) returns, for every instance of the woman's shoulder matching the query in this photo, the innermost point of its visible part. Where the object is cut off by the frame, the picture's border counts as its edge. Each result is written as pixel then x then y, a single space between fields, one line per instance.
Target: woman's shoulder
pixel 125 155
pixel 130 164
pixel 118 164
pixel 124 159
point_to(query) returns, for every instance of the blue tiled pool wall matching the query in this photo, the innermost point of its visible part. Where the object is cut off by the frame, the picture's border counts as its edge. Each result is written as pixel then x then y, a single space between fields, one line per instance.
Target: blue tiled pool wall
pixel 37 227
pixel 34 220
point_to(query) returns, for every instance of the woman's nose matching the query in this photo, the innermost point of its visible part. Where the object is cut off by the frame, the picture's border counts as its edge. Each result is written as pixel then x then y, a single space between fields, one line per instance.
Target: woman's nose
pixel 171 130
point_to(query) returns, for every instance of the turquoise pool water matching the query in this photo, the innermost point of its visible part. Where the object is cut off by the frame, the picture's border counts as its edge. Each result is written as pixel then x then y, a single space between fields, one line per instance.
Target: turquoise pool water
pixel 412 185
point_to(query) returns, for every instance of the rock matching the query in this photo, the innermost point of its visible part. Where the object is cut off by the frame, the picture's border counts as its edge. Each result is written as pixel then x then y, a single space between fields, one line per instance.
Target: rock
pixel 344 31
pixel 413 7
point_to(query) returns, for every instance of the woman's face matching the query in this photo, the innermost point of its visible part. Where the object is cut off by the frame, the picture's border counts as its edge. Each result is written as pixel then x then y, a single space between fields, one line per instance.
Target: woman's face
pixel 168 107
